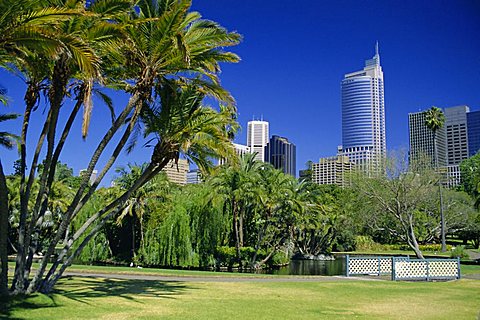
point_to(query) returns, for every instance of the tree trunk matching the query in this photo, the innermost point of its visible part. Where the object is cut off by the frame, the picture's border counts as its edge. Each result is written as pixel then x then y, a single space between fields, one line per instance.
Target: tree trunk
pixel 442 215
pixel 3 233
pixel 235 230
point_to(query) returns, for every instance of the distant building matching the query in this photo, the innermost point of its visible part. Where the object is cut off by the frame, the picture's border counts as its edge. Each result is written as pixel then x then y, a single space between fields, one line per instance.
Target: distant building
pixel 332 170
pixel 241 149
pixel 363 117
pixel 177 172
pixel 421 140
pixel 457 139
pixel 257 138
pixel 93 176
pixel 194 176
pixel 281 153
pixel 473 132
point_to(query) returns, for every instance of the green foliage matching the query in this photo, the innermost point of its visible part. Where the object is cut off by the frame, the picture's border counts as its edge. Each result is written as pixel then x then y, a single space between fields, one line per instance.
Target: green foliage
pixel 459 252
pixel 365 243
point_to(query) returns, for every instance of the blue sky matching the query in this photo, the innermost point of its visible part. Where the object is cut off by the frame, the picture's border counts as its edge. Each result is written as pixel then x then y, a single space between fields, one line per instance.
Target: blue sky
pixel 295 53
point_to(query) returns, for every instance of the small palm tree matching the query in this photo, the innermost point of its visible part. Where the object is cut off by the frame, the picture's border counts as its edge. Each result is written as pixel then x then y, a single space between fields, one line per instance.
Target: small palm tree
pixel 434 120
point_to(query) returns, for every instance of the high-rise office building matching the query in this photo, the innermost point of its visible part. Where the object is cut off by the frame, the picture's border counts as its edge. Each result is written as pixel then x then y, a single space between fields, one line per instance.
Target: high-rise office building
pixel 257 138
pixel 363 116
pixel 332 170
pixel 421 140
pixel 457 139
pixel 177 172
pixel 473 129
pixel 194 176
pixel 281 153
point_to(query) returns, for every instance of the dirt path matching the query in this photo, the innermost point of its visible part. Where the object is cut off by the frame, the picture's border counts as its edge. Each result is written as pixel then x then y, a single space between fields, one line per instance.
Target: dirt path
pixel 216 279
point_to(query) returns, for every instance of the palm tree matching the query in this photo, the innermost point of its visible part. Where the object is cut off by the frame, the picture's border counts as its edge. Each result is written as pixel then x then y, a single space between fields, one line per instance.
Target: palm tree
pixel 7 140
pixel 179 125
pixel 140 203
pixel 434 120
pixel 235 183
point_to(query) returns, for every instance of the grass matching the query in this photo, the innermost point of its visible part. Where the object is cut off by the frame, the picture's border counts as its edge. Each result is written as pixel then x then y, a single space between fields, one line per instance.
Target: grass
pixel 97 298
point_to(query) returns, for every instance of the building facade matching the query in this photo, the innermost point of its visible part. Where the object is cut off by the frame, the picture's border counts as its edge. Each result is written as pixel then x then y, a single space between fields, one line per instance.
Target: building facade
pixel 363 116
pixel 257 138
pixel 473 132
pixel 332 170
pixel 457 138
pixel 421 140
pixel 281 153
pixel 177 172
pixel 194 176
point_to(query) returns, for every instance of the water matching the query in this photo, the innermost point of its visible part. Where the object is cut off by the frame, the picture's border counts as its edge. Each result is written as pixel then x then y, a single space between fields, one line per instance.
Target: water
pixel 312 268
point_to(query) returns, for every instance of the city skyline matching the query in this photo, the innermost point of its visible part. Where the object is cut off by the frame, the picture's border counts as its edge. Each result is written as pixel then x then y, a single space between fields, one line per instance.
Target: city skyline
pixel 291 68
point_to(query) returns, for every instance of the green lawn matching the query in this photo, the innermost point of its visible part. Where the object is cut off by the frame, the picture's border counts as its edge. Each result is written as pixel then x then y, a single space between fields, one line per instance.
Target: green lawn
pixel 96 298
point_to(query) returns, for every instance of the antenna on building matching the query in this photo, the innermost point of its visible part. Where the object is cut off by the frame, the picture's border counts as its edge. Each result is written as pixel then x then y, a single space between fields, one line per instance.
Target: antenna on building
pixel 261 117
pixel 376 48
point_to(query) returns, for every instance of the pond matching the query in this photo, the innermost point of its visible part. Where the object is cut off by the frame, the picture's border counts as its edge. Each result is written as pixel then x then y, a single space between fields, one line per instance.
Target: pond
pixel 312 268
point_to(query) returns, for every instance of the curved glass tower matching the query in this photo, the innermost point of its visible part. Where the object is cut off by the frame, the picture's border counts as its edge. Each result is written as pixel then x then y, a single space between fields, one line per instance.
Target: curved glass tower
pixel 363 116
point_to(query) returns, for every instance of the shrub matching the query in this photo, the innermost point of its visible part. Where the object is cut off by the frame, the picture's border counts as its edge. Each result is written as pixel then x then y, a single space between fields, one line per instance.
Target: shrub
pixel 365 243
pixel 459 252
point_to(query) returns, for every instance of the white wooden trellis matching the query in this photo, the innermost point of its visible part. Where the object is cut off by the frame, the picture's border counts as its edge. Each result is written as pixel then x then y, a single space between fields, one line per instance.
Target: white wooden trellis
pixel 370 265
pixel 426 269
pixel 403 268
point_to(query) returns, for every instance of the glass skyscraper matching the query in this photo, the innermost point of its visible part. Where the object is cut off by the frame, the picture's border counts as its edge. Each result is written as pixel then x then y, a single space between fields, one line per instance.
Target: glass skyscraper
pixel 281 153
pixel 363 116
pixel 473 125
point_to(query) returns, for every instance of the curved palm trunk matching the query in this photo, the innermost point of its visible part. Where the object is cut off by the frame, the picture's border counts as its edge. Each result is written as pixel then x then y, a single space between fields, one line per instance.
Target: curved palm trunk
pixel 113 208
pixel 3 233
pixel 35 235
pixel 79 201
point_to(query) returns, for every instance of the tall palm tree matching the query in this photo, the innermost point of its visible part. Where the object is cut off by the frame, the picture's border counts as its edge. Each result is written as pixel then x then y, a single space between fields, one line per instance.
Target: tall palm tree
pixel 434 120
pixel 7 140
pixel 234 183
pixel 179 125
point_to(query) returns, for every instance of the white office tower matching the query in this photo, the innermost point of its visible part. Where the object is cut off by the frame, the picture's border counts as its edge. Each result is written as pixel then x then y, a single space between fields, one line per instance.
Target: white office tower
pixel 257 138
pixel 363 117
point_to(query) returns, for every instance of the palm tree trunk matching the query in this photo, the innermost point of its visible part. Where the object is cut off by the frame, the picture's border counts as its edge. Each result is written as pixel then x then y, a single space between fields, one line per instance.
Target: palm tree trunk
pixel 78 202
pixel 442 215
pixel 236 232
pixel 35 235
pixel 3 233
pixel 117 205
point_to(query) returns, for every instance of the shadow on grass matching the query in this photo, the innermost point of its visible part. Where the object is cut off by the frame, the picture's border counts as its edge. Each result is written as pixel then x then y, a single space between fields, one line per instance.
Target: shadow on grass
pixel 87 289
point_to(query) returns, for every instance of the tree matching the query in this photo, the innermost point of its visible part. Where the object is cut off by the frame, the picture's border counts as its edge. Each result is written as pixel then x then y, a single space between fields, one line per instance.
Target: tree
pixel 233 182
pixel 401 202
pixel 434 120
pixel 137 49
pixel 7 140
pixel 470 173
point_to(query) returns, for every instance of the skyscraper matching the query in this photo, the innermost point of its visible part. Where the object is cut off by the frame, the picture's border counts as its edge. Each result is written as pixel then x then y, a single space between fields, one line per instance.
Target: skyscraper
pixel 332 170
pixel 457 139
pixel 473 125
pixel 257 138
pixel 281 153
pixel 421 140
pixel 363 116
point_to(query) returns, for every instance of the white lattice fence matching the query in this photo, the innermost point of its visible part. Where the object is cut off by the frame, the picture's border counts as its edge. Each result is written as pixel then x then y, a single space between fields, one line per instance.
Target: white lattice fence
pixel 369 265
pixel 428 269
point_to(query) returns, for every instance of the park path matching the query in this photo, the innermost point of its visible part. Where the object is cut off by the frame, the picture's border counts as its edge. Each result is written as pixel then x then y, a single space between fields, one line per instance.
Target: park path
pixel 124 276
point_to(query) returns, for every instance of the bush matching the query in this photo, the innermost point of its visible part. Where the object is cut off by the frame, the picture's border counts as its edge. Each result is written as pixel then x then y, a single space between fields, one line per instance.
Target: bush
pixel 365 243
pixel 459 252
